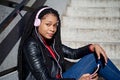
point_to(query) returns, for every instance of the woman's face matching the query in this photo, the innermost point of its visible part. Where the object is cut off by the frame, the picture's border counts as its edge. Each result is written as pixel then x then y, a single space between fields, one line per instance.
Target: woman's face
pixel 48 26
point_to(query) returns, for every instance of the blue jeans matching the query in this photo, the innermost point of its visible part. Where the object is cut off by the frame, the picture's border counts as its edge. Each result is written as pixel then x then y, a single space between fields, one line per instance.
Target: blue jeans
pixel 87 64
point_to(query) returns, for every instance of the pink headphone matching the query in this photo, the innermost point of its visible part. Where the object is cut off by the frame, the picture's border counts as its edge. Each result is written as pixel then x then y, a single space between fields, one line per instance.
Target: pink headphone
pixel 37 20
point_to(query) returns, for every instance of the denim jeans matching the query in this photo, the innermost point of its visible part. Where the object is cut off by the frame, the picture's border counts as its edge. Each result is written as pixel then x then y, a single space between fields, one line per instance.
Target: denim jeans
pixel 87 64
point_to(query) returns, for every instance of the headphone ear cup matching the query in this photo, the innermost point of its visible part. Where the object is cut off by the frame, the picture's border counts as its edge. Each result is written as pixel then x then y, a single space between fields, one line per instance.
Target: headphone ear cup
pixel 37 22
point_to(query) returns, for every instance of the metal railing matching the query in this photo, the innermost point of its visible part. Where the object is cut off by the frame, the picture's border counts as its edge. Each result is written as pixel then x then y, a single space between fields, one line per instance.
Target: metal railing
pixel 18 7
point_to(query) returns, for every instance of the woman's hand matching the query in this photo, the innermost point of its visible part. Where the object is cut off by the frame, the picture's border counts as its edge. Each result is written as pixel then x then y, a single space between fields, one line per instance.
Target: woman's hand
pixel 89 77
pixel 99 51
pixel 85 77
pixel 94 77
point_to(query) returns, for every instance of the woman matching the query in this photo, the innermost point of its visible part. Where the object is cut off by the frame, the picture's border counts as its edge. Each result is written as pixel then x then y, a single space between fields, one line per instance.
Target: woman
pixel 41 53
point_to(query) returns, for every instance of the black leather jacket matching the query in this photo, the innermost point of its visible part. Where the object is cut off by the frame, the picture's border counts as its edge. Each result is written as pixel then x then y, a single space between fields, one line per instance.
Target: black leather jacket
pixel 39 64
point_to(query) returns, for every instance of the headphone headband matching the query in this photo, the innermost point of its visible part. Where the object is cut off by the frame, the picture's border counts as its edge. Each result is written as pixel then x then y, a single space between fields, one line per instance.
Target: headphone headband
pixel 37 20
pixel 38 13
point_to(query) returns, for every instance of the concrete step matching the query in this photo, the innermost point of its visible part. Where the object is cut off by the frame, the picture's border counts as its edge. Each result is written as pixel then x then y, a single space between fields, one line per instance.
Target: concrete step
pixel 95 35
pixel 93 12
pixel 95 3
pixel 91 22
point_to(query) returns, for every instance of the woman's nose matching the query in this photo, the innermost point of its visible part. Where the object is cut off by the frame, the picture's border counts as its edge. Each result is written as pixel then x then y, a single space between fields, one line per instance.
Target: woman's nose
pixel 52 28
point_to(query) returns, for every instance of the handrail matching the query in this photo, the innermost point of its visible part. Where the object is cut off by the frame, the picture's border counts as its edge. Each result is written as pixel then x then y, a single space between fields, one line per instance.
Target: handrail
pixel 8 71
pixel 7 21
pixel 18 8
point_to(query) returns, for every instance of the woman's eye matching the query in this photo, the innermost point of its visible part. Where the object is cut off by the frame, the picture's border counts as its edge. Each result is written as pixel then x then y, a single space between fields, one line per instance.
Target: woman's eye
pixel 55 25
pixel 48 24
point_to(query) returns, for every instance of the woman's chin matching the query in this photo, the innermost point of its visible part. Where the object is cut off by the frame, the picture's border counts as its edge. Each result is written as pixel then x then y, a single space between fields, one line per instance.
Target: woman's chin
pixel 48 38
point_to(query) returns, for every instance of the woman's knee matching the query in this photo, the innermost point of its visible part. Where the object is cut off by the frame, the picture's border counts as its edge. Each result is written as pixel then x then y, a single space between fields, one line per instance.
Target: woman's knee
pixel 91 56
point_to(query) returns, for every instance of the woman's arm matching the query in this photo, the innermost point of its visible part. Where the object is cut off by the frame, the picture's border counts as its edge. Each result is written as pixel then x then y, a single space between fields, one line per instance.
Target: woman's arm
pixel 76 53
pixel 80 52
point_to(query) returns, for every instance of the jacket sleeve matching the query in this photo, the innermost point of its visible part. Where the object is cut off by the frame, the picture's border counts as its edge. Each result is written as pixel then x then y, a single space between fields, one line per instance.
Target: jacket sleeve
pixel 76 53
pixel 36 63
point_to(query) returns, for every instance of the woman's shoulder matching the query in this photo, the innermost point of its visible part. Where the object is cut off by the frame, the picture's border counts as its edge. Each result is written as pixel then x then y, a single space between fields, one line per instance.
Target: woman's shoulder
pixel 30 42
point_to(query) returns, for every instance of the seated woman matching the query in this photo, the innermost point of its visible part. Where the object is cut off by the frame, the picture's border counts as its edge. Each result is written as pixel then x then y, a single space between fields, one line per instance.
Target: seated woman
pixel 41 53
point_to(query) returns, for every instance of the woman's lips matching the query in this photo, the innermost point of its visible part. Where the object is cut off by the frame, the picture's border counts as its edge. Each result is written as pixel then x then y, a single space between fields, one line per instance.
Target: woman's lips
pixel 50 34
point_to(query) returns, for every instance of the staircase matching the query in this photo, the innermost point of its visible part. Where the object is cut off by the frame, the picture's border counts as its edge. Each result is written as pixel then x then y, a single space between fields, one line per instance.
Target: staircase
pixel 11 27
pixel 93 21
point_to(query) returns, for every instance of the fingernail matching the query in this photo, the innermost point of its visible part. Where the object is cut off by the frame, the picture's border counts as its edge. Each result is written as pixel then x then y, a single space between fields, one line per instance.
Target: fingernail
pixel 105 63
pixel 98 57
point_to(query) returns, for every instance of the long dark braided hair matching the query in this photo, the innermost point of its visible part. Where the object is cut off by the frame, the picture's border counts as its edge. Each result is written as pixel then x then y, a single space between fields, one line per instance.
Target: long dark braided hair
pixel 29 29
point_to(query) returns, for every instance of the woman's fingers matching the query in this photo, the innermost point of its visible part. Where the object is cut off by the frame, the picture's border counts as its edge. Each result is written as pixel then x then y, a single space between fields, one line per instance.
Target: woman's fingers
pixel 94 77
pixel 105 56
pixel 100 51
pixel 89 77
